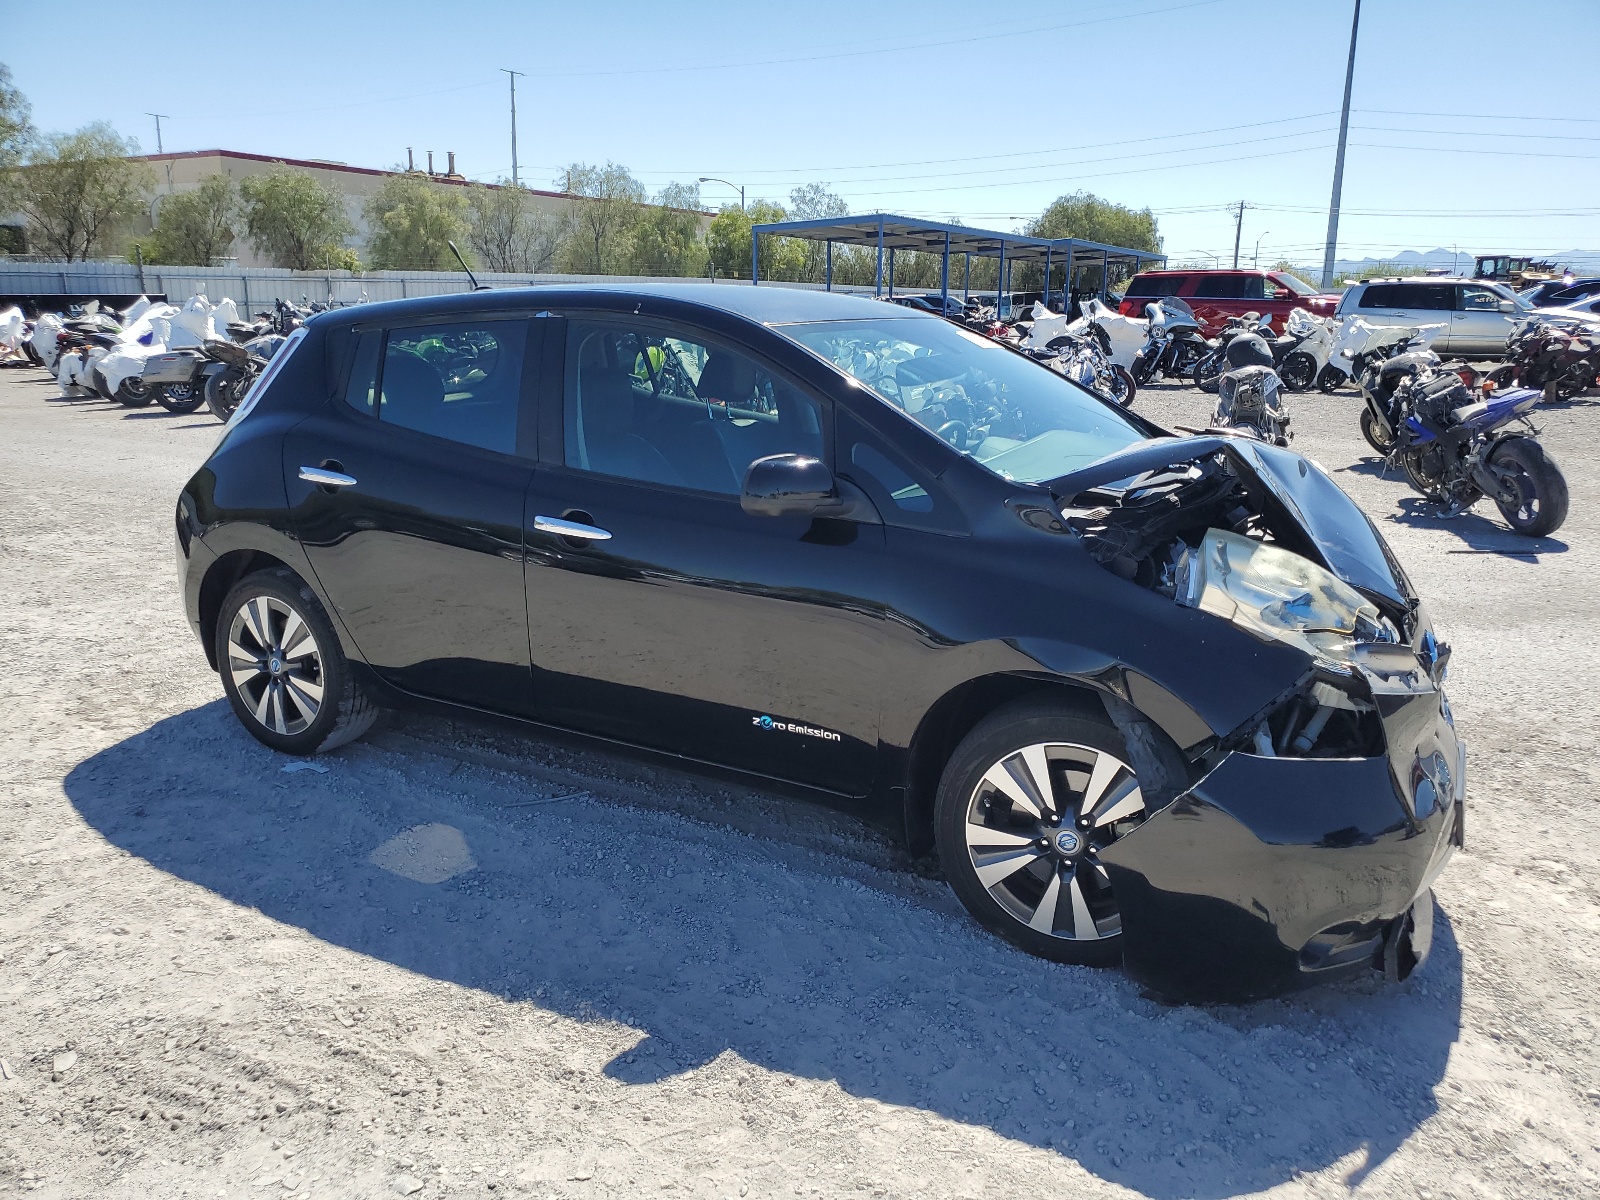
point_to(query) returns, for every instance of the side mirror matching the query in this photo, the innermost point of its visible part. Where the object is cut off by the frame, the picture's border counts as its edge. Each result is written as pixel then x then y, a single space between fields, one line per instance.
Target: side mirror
pixel 788 485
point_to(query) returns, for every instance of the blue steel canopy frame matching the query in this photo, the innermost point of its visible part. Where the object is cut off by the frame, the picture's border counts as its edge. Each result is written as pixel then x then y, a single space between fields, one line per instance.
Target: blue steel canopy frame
pixel 888 232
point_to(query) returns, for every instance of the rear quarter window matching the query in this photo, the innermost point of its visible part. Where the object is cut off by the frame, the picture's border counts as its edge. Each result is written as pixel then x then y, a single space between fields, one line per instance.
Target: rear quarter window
pixel 1224 287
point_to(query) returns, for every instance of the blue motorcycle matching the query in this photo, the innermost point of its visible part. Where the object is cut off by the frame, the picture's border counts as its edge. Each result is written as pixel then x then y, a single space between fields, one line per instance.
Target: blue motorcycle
pixel 1455 449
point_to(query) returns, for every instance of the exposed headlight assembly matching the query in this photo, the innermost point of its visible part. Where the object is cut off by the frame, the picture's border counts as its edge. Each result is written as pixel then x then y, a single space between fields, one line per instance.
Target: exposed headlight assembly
pixel 1279 596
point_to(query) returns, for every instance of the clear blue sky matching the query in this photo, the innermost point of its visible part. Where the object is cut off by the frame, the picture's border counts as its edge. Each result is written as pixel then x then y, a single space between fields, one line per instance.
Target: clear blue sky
pixel 1470 130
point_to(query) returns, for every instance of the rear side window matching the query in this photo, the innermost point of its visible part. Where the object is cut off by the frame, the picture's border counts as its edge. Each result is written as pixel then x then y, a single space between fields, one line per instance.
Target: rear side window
pixel 461 381
pixel 1155 285
pixel 1380 295
pixel 1224 287
pixel 1432 297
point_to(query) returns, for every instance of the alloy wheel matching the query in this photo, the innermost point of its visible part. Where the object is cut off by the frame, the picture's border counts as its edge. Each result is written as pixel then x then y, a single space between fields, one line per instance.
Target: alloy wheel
pixel 275 664
pixel 1035 825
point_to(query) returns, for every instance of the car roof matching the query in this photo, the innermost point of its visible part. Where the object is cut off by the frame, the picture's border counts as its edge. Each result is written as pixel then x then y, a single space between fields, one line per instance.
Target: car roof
pixel 1425 279
pixel 770 305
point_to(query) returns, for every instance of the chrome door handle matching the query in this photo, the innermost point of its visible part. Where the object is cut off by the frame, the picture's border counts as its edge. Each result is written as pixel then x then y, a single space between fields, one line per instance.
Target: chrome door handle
pixel 568 529
pixel 323 477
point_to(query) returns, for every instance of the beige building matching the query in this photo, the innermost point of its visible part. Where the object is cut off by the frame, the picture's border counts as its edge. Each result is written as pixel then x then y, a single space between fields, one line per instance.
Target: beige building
pixel 183 171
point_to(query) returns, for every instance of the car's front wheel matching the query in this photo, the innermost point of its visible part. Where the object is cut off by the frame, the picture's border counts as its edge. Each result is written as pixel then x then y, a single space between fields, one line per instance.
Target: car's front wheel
pixel 283 669
pixel 1027 802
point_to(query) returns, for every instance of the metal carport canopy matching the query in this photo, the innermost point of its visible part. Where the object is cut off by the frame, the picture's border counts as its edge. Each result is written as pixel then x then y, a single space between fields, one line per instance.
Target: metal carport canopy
pixel 888 232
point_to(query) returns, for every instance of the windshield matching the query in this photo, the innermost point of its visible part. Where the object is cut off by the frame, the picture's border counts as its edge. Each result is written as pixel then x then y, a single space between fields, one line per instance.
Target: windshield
pixel 1018 418
pixel 1296 285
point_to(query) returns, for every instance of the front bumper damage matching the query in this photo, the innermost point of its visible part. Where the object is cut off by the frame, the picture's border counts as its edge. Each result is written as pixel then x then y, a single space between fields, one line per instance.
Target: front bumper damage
pixel 1271 873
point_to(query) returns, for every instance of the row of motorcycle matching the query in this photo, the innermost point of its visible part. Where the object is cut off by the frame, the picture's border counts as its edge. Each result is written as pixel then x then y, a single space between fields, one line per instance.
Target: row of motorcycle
pixel 1458 434
pixel 182 358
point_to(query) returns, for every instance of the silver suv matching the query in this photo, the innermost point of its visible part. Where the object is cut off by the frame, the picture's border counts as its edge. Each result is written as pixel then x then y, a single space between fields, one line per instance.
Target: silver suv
pixel 1478 315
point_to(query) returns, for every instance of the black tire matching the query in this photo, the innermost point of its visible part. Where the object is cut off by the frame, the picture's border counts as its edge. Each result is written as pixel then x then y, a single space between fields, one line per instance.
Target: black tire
pixel 274 684
pixel 222 393
pixel 1208 373
pixel 1542 486
pixel 180 398
pixel 1411 463
pixel 1330 379
pixel 31 354
pixel 134 392
pixel 1299 372
pixel 1373 432
pixel 1125 389
pixel 99 386
pixel 1025 852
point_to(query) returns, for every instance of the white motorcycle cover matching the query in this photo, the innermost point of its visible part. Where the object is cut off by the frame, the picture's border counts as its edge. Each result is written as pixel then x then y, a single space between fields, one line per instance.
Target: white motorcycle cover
pixel 1127 334
pixel 1355 335
pixel 135 310
pixel 44 338
pixel 146 335
pixel 12 327
pixel 72 373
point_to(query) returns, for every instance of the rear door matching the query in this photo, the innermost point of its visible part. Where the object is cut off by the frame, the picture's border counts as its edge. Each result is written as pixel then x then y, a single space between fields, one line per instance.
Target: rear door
pixel 671 618
pixel 415 532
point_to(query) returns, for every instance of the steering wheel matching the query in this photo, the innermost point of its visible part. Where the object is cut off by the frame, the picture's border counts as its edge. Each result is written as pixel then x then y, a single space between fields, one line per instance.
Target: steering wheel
pixel 954 432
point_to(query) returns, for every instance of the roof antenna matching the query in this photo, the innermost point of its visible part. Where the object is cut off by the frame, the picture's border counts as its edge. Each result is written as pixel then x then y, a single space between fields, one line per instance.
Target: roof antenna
pixel 476 286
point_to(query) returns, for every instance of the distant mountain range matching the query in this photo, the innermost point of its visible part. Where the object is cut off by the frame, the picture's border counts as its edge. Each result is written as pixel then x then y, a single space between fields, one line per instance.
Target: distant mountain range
pixel 1581 261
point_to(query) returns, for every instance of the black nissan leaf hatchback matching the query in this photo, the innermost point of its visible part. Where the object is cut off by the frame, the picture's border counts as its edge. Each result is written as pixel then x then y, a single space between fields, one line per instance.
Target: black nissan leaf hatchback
pixel 1162 701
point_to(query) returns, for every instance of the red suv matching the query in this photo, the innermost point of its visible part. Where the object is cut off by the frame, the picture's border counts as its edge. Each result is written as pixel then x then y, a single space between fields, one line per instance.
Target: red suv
pixel 1217 295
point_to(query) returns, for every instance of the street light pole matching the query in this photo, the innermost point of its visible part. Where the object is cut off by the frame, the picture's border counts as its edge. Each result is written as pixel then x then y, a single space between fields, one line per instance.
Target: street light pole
pixel 158 117
pixel 1338 158
pixel 725 183
pixel 1255 259
pixel 514 179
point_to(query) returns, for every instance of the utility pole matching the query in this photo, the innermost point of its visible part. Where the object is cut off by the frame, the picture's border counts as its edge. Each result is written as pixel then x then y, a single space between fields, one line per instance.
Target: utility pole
pixel 514 180
pixel 1238 228
pixel 1338 159
pixel 158 117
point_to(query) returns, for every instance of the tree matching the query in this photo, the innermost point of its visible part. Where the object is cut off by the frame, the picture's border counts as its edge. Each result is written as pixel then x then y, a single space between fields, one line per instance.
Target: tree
pixel 295 221
pixel 413 220
pixel 193 228
pixel 1086 216
pixel 506 231
pixel 16 129
pixel 666 237
pixel 814 202
pixel 79 189
pixel 728 243
pixel 600 225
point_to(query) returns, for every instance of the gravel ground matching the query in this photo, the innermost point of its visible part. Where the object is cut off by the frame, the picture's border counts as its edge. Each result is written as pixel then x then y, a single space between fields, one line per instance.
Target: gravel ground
pixel 452 959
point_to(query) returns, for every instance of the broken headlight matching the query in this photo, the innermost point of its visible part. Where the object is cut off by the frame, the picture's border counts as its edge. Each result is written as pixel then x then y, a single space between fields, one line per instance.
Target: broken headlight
pixel 1278 596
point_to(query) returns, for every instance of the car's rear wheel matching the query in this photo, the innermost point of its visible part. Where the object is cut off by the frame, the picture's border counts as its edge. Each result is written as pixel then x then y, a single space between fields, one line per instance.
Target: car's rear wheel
pixel 1027 803
pixel 282 667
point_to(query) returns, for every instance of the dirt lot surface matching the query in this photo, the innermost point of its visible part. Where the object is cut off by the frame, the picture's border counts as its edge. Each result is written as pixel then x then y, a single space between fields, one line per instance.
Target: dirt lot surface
pixel 452 960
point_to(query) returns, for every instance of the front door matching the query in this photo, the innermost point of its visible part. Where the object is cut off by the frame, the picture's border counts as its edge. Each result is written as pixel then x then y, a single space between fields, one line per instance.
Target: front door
pixel 407 492
pixel 1477 326
pixel 660 612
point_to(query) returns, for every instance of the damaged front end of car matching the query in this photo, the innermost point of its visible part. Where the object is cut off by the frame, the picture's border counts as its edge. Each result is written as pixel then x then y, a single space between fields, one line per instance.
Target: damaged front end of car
pixel 1306 841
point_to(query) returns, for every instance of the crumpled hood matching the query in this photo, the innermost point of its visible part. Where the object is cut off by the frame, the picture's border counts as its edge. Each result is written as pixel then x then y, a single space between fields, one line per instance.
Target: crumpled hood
pixel 1344 540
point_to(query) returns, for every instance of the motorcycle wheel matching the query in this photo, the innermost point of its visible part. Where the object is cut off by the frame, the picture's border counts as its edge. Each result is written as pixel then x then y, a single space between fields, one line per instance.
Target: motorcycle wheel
pixel 1299 372
pixel 133 392
pixel 32 354
pixel 1420 483
pixel 181 398
pixel 222 394
pixel 98 385
pixel 1123 388
pixel 1331 379
pixel 1541 504
pixel 1208 374
pixel 1373 432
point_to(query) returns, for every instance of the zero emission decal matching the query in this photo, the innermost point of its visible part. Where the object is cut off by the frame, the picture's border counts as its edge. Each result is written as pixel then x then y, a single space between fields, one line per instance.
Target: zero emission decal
pixel 766 722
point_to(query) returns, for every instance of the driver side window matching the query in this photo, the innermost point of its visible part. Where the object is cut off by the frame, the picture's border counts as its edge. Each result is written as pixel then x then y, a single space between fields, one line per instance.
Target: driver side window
pixel 646 403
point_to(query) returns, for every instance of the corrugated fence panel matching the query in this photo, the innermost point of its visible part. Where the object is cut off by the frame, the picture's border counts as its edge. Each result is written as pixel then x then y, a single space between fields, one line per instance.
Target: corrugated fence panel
pixel 255 288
